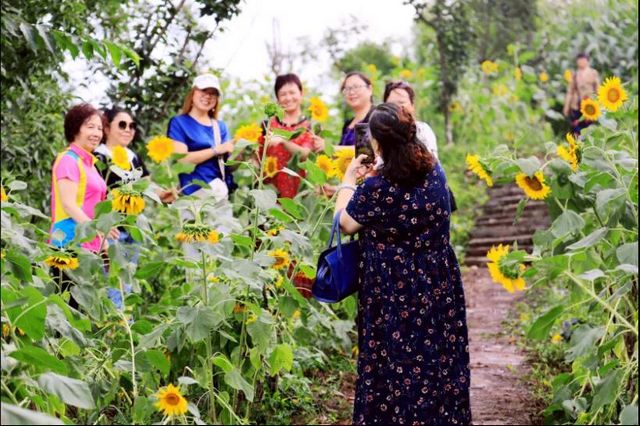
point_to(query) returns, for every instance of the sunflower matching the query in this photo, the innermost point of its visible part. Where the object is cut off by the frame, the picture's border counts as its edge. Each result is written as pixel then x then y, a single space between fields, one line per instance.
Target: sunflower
pixel 3 195
pixel 489 67
pixel 251 319
pixel 590 109
pixel 296 314
pixel 250 132
pixel 275 231
pixel 572 154
pixel 120 158
pixel 509 277
pixel 544 77
pixel 127 201
pixel 456 107
pixel 170 401
pixel 474 164
pixel 160 148
pixel 279 281
pixel 62 262
pixel 500 90
pixel 318 109
pixel 372 69
pixel 611 94
pixel 556 338
pixel 406 74
pixel 342 160
pixel 271 167
pixel 326 165
pixel 568 76
pixel 517 73
pixel 198 233
pixel 238 308
pixel 534 187
pixel 281 257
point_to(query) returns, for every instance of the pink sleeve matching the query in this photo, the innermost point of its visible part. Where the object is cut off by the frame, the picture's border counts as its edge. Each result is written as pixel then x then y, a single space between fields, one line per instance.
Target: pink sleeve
pixel 67 168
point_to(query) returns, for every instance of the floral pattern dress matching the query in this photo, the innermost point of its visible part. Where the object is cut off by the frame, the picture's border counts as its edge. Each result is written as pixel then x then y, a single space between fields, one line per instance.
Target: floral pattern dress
pixel 413 363
pixel 287 185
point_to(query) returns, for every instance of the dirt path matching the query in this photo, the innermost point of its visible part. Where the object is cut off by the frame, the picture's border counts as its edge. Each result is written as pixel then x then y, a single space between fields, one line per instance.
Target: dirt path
pixel 498 396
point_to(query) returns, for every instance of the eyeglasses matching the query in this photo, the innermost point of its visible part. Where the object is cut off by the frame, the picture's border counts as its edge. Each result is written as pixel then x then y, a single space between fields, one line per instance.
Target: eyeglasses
pixel 122 125
pixel 354 88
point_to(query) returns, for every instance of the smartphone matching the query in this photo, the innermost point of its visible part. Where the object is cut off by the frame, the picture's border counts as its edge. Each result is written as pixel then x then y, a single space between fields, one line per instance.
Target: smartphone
pixel 363 142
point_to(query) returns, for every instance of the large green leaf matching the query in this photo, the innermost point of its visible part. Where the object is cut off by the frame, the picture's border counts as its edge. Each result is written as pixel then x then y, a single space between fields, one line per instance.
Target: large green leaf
pixel 31 317
pixel 567 223
pixel 20 264
pixel 628 253
pixel 583 341
pixel 72 391
pixel 540 328
pixel 199 321
pixel 589 240
pixel 13 415
pixel 39 358
pixel 609 200
pixel 236 381
pixel 529 165
pixel 281 358
pixel 265 198
pixel 607 390
pixel 629 415
pixel 158 360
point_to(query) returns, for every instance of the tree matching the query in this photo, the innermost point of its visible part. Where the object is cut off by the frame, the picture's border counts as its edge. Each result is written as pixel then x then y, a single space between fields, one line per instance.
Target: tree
pixel 170 40
pixel 36 35
pixel 450 21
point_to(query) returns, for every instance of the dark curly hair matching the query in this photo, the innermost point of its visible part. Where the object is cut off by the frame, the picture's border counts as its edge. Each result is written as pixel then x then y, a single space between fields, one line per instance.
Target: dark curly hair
pixel 406 160
pixel 75 118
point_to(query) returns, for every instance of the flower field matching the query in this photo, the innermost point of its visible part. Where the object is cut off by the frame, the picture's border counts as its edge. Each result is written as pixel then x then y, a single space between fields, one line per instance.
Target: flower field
pixel 220 327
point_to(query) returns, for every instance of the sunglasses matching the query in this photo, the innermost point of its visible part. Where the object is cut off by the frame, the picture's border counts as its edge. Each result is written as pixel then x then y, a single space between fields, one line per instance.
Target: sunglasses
pixel 122 125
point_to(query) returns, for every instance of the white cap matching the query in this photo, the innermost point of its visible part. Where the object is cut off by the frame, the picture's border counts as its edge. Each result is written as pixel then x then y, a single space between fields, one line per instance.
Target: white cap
pixel 207 81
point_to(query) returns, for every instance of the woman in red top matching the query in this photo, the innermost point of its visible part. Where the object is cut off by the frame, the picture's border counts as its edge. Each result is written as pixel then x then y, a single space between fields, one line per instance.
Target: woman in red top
pixel 289 94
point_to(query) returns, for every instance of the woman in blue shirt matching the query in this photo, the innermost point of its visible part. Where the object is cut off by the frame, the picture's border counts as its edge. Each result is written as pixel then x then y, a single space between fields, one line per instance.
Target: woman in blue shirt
pixel 204 139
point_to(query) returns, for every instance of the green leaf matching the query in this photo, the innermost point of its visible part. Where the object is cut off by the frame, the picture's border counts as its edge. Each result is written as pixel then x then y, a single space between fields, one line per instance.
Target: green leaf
pixel 39 358
pixel 573 407
pixel 132 55
pixel 72 391
pixel 628 253
pixel 151 269
pixel 540 328
pixel 222 362
pixel 568 222
pixel 592 275
pixel 628 415
pixel 158 360
pixel 102 207
pixel 199 321
pixel 292 207
pixel 114 51
pixel 521 205
pixel 280 215
pixel 529 165
pixel 14 415
pixel 87 49
pixel 589 240
pixel 33 315
pixel 608 390
pixel 236 381
pixel 315 175
pixel 609 200
pixel 583 341
pixel 20 265
pixel 281 358
pixel 265 198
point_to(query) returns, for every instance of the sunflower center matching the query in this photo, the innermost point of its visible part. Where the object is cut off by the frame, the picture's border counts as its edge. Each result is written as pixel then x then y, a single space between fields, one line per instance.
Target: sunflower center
pixel 613 95
pixel 172 399
pixel 533 183
pixel 279 261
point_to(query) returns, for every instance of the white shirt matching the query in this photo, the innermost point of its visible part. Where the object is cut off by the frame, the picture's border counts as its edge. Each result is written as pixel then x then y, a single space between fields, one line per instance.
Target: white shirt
pixel 427 137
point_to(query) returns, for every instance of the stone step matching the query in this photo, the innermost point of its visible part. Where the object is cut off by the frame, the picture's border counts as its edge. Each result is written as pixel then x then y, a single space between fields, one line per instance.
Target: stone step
pixel 507 220
pixel 505 231
pixel 506 208
pixel 481 250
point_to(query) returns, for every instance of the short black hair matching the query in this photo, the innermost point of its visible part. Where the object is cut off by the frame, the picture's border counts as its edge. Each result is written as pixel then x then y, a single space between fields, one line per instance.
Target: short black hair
pixel 582 55
pixel 285 79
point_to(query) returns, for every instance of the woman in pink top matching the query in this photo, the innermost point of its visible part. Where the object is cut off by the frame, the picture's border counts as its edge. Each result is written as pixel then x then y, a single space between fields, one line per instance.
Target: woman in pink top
pixel 76 185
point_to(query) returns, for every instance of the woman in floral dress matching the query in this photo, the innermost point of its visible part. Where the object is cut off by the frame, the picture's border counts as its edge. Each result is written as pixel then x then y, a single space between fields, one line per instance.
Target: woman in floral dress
pixel 413 363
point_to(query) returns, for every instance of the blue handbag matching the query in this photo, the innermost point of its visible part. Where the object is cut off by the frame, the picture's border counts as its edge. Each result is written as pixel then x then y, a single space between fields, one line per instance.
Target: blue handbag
pixel 337 271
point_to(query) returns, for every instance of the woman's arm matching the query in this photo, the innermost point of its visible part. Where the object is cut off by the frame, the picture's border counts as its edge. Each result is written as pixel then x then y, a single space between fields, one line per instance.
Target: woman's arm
pixel 68 194
pixel 347 224
pixel 567 99
pixel 200 156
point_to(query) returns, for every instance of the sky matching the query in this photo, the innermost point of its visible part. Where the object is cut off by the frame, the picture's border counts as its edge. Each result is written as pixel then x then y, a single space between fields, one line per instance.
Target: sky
pixel 240 50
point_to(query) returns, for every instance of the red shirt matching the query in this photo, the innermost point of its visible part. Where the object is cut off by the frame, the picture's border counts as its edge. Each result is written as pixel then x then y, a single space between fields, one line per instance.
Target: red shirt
pixel 287 185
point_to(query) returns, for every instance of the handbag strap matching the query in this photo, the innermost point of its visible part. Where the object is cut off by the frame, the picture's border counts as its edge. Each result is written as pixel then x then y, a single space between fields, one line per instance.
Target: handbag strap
pixel 215 127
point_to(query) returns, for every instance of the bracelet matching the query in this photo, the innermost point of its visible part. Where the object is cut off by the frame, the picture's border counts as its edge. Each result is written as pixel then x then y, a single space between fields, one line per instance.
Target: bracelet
pixel 346 186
